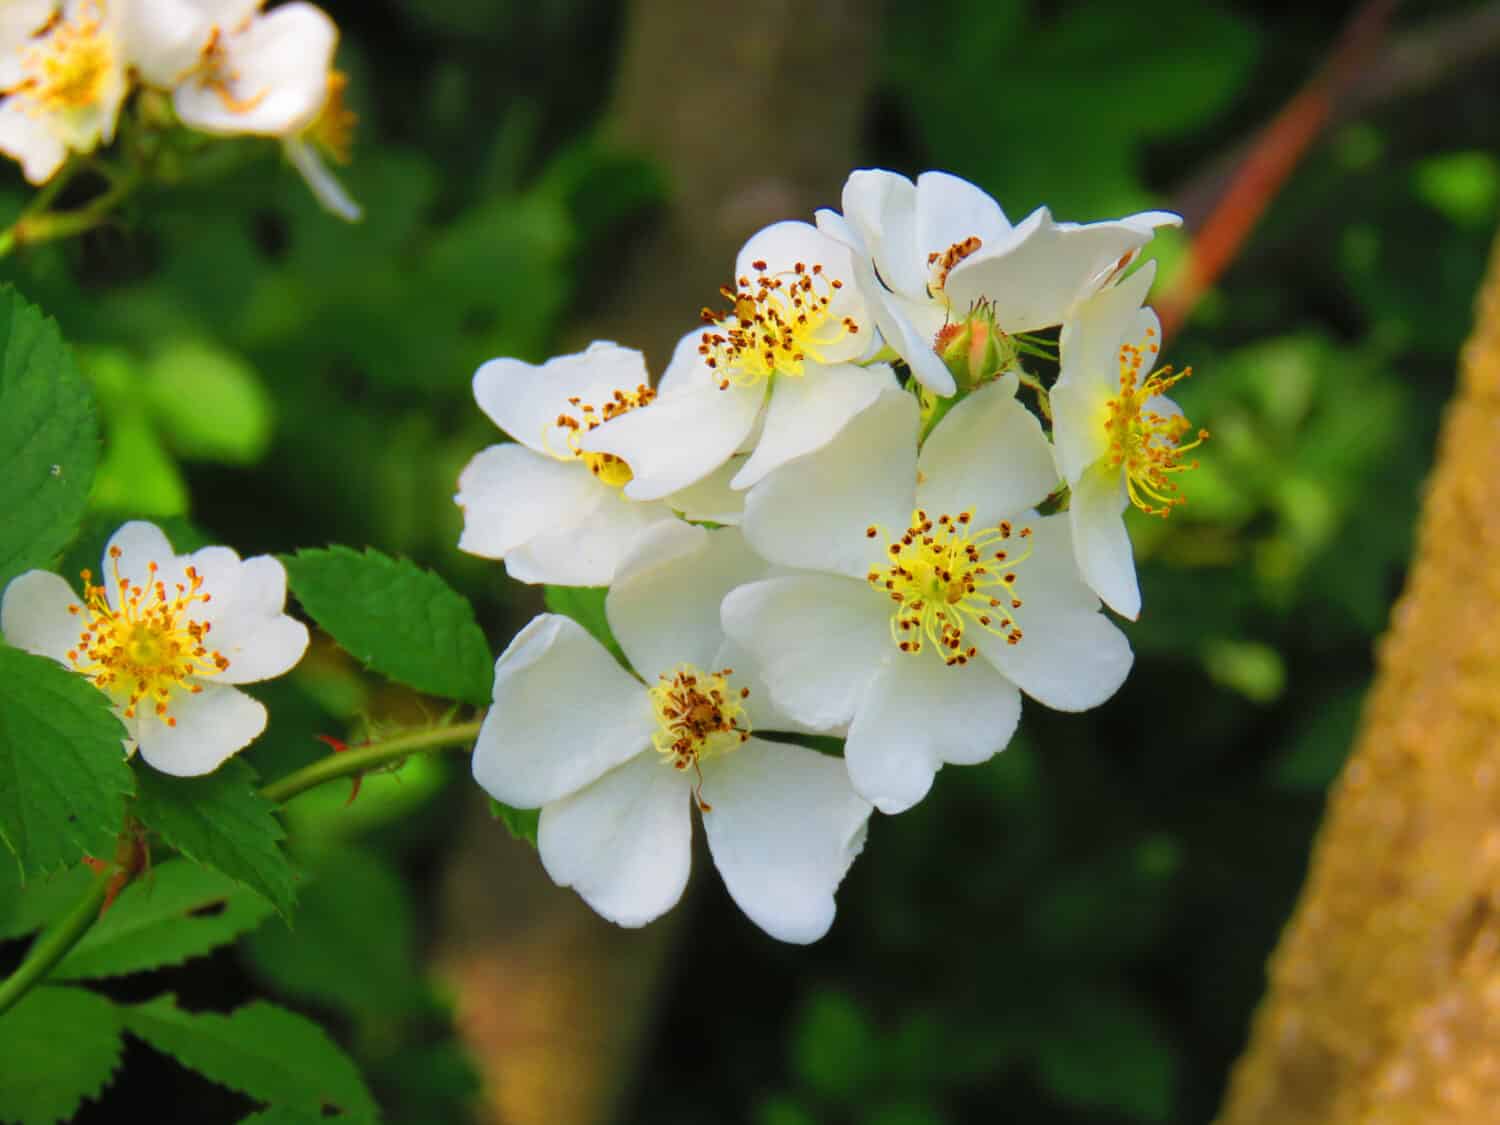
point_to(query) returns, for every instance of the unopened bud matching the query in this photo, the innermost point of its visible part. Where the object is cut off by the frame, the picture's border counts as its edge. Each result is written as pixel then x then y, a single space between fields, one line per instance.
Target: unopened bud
pixel 975 349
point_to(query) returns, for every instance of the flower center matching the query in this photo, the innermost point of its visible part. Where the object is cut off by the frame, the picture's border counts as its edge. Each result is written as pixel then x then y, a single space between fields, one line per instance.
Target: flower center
pixel 940 263
pixel 1146 444
pixel 698 716
pixel 68 65
pixel 947 575
pixel 145 649
pixel 216 72
pixel 774 325
pixel 608 468
pixel 333 129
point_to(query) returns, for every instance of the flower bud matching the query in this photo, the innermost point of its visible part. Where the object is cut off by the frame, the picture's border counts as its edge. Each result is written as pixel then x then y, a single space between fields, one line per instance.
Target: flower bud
pixel 975 349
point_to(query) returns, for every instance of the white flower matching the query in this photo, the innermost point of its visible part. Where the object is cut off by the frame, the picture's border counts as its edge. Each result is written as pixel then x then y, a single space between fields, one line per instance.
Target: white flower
pixel 63 68
pixel 927 253
pixel 1119 439
pixel 616 765
pixel 554 512
pixel 272 75
pixel 782 356
pixel 939 592
pixel 171 38
pixel 164 635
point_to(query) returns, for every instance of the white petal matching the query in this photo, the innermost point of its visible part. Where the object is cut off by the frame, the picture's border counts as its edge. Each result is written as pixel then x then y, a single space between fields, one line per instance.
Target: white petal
pixel 324 185
pixel 919 713
pixel 163 39
pixel 249 625
pixel 882 207
pixel 1100 543
pixel 28 140
pixel 686 368
pixel 1080 409
pixel 783 829
pixel 1091 337
pixel 565 713
pixel 525 400
pixel 511 496
pixel 834 225
pixel 711 500
pixel 909 325
pixel 951 210
pixel 818 640
pixel 663 607
pixel 761 711
pixel 280 63
pixel 34 615
pixel 1070 657
pixel 680 438
pixel 815 512
pixel 589 553
pixel 212 726
pixel 140 544
pixel 987 454
pixel 806 413
pixel 623 843
pixel 1034 283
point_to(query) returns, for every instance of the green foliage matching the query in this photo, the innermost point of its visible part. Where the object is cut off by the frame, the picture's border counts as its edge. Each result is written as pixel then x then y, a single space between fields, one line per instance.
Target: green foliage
pixel 175 912
pixel 27 908
pixel 585 605
pixel 400 620
pixel 222 822
pixel 64 774
pixel 522 824
pixel 49 439
pixel 62 1045
pixel 354 946
pixel 265 1052
pixel 209 402
pixel 835 1048
pixel 1102 1048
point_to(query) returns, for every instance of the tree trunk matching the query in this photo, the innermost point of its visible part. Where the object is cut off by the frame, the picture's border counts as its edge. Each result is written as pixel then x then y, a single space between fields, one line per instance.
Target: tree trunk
pixel 1384 999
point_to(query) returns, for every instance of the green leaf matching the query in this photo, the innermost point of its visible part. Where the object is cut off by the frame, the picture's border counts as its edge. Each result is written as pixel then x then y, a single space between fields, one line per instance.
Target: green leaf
pixel 521 823
pixel 63 774
pixel 26 909
pixel 177 912
pixel 585 605
pixel 221 821
pixel 49 439
pixel 210 403
pixel 398 619
pixel 263 1051
pixel 834 1047
pixel 285 1115
pixel 337 956
pixel 61 1045
pixel 1101 1048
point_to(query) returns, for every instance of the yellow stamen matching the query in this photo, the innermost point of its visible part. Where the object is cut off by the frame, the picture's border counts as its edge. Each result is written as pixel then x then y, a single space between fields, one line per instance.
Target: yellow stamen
pixel 68 64
pixel 775 324
pixel 144 649
pixel 333 129
pixel 607 467
pixel 945 575
pixel 1146 444
pixel 699 716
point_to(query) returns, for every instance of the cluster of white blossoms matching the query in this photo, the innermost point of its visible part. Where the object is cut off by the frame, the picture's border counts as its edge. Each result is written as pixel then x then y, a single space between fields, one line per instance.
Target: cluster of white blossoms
pixel 67 67
pixel 165 637
pixel 837 513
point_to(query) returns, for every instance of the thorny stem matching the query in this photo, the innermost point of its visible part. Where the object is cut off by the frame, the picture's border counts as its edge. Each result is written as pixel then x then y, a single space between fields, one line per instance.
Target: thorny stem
pixel 362 759
pixel 54 945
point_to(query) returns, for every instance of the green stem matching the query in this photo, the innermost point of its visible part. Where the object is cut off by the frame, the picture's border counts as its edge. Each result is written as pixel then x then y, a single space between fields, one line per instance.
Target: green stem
pixel 54 945
pixel 31 229
pixel 362 759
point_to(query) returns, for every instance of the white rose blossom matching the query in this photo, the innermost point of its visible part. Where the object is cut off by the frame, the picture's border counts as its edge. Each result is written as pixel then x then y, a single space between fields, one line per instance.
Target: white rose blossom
pixel 551 510
pixel 928 253
pixel 164 636
pixel 64 70
pixel 272 75
pixel 617 765
pixel 782 358
pixel 938 593
pixel 1119 439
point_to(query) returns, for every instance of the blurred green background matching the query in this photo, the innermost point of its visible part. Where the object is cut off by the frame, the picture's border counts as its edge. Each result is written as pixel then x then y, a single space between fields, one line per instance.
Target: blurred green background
pixel 1073 933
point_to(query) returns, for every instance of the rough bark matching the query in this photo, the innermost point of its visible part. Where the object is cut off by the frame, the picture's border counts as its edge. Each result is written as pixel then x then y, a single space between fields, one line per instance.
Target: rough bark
pixel 1384 999
pixel 753 115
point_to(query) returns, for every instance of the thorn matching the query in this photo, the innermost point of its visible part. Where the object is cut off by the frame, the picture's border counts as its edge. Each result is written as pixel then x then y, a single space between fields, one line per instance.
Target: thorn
pixel 339 747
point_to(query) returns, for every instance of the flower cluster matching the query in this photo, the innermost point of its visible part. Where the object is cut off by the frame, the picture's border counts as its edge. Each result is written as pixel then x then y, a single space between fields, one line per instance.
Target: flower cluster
pixel 67 67
pixel 838 513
